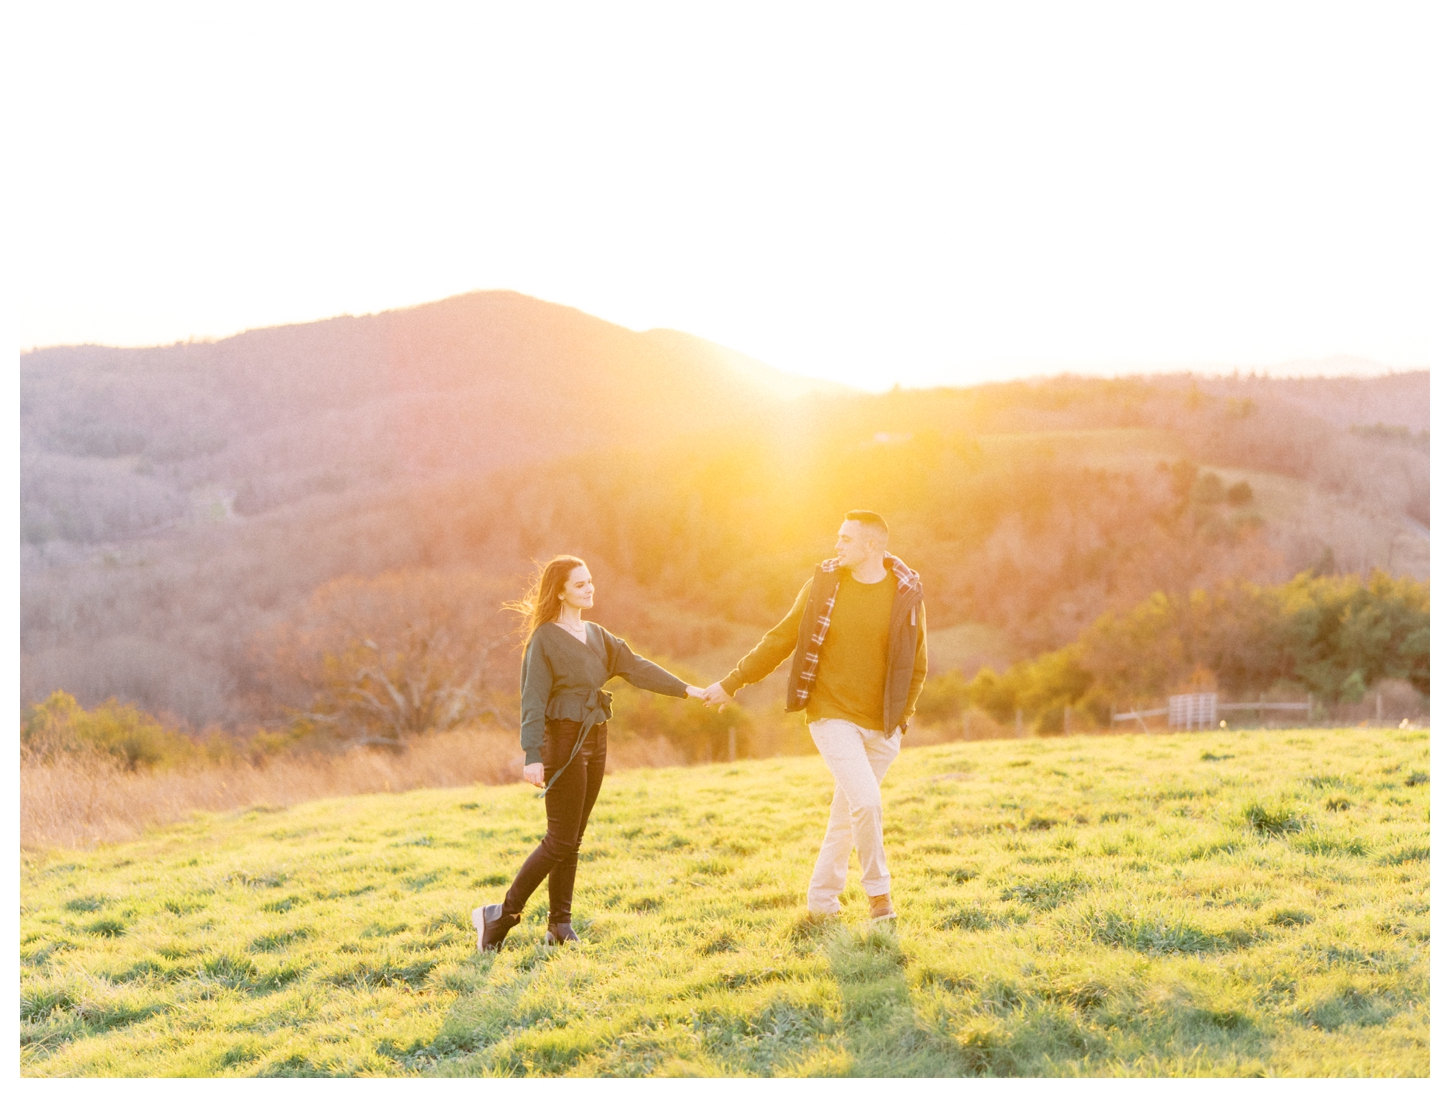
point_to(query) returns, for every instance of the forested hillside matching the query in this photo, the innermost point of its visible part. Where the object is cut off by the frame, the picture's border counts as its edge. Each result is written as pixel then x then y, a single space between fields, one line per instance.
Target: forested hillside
pixel 195 517
pixel 117 442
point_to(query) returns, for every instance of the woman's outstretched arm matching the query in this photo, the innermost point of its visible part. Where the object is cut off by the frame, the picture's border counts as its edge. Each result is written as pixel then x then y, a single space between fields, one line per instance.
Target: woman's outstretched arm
pixel 640 672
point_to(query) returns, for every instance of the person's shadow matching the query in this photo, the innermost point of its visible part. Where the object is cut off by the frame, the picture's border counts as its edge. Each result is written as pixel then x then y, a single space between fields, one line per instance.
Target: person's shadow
pixel 883 1033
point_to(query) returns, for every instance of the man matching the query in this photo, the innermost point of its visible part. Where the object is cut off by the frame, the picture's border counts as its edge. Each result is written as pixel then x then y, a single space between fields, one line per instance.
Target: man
pixel 858 631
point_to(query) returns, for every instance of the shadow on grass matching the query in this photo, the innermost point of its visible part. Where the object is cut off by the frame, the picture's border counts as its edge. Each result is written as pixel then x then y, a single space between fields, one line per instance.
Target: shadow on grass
pixel 1041 1026
pixel 478 1034
pixel 882 1033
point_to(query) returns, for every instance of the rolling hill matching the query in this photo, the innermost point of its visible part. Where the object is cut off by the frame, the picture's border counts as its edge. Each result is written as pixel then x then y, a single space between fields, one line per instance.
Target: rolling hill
pixel 116 442
pixel 180 503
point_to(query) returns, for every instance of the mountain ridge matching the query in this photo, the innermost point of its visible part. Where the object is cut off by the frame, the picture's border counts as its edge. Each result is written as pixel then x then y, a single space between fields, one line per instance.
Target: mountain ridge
pixel 179 503
pixel 461 385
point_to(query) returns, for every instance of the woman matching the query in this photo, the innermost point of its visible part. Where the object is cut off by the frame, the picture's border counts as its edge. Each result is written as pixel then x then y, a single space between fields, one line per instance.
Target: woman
pixel 563 732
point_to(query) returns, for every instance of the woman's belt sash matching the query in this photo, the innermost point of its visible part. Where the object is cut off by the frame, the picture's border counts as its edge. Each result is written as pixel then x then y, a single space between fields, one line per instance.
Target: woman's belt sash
pixel 596 711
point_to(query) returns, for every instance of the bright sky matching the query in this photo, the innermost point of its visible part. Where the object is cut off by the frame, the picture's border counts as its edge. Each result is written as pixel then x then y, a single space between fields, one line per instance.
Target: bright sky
pixel 875 193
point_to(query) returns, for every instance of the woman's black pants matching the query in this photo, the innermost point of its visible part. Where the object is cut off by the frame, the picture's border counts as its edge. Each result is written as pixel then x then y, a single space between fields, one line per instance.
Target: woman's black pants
pixel 567 804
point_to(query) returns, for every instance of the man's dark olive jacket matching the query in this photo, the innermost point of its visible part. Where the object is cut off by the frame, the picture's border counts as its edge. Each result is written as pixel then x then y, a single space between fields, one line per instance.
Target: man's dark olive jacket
pixel 906 646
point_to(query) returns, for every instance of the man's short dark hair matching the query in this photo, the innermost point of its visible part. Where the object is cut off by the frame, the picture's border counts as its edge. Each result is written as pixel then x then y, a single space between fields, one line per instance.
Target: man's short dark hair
pixel 871 519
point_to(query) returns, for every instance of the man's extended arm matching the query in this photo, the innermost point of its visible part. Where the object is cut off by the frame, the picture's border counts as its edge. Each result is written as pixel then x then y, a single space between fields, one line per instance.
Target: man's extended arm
pixel 772 650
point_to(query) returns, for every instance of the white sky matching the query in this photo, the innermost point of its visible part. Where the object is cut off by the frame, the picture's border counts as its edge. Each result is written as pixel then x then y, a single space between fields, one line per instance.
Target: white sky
pixel 886 193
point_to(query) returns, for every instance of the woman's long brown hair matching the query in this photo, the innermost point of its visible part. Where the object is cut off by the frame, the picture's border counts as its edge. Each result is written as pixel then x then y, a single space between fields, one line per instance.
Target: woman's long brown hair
pixel 541 602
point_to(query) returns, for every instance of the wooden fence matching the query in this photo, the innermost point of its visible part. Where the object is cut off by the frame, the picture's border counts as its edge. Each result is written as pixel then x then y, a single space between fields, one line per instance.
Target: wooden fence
pixel 1202 710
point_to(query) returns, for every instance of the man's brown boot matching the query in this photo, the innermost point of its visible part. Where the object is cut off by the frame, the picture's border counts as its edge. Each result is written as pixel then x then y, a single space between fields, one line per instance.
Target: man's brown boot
pixel 881 908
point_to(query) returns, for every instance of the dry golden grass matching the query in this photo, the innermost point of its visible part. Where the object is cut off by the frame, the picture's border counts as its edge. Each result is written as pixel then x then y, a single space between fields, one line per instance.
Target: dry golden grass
pixel 80 801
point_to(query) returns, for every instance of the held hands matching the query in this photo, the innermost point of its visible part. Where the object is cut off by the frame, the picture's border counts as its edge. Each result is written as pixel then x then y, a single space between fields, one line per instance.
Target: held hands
pixel 708 695
pixel 715 695
pixel 534 774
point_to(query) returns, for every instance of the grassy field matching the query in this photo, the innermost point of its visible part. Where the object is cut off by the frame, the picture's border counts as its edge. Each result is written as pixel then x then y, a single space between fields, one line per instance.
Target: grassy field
pixel 1228 903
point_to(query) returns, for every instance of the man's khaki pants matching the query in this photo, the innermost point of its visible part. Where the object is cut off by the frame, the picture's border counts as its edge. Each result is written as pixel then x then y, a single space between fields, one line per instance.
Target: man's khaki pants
pixel 857 758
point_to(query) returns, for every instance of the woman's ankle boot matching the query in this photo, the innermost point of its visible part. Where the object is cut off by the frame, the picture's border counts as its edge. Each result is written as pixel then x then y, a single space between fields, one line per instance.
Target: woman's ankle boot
pixel 492 926
pixel 559 933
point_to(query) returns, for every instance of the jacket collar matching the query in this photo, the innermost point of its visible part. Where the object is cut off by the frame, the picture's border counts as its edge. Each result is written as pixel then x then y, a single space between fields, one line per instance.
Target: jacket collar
pixel 906 579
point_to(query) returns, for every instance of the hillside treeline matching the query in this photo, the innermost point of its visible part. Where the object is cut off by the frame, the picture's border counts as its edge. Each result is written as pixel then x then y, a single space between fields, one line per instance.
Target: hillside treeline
pixel 1333 636
pixel 1036 532
pixel 395 661
pixel 59 728
pixel 1033 508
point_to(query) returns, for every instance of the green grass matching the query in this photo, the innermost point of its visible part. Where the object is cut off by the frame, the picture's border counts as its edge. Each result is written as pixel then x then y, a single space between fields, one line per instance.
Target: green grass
pixel 1210 904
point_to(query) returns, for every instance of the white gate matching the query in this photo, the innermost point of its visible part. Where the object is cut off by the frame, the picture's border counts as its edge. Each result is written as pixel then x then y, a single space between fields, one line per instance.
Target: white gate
pixel 1193 711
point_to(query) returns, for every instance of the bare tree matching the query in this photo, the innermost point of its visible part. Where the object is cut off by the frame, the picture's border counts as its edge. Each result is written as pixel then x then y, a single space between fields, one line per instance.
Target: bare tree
pixel 407 686
pixel 379 660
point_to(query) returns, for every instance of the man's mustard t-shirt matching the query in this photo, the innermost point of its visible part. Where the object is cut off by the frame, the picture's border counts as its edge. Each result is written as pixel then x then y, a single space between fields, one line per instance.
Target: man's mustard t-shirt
pixel 851 677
